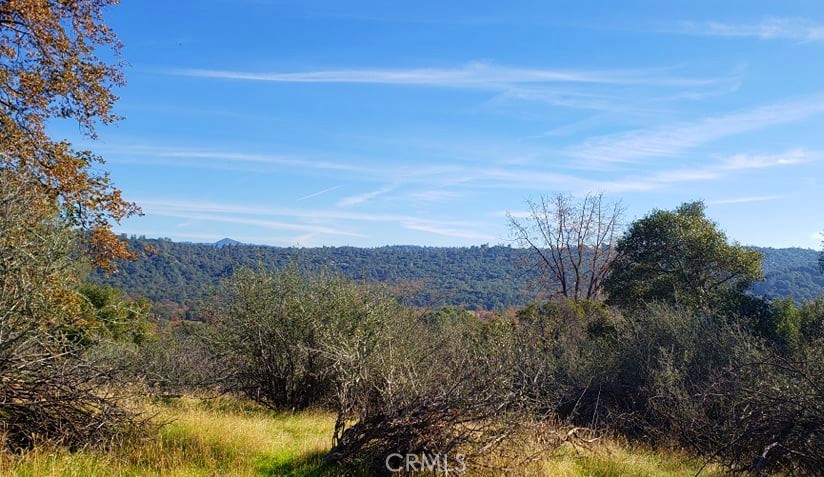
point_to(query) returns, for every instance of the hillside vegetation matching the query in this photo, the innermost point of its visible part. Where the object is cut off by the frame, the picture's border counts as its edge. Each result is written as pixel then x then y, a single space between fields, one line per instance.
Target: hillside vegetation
pixel 487 277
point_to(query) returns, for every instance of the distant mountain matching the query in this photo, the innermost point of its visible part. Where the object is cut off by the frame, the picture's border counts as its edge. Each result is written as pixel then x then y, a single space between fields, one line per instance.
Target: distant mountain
pixel 790 272
pixel 489 277
pixel 226 242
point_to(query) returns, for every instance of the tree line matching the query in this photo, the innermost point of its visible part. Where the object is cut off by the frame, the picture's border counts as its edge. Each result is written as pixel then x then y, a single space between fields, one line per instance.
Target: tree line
pixel 176 276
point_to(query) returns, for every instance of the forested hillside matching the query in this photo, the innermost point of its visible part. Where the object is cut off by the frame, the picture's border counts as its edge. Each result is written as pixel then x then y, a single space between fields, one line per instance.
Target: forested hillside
pixel 790 272
pixel 488 277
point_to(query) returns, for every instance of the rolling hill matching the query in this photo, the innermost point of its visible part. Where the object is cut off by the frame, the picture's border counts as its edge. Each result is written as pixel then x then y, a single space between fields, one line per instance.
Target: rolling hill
pixel 488 277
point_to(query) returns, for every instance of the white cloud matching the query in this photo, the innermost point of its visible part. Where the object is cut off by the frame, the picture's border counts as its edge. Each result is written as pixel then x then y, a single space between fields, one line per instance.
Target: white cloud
pixel 448 232
pixel 565 99
pixel 474 75
pixel 744 200
pixel 444 182
pixel 321 192
pixel 758 161
pixel 255 216
pixel 206 157
pixel 794 29
pixel 361 198
pixel 434 195
pixel 270 224
pixel 725 166
pixel 673 140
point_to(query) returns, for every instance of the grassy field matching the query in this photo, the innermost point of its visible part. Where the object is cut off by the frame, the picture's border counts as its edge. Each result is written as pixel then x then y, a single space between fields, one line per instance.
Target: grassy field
pixel 225 437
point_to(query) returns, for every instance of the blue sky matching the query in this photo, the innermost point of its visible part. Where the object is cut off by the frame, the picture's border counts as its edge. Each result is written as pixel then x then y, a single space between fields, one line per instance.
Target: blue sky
pixel 371 123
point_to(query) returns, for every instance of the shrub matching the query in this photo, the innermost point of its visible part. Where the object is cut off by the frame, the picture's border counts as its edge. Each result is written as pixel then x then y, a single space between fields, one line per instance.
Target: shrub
pixel 763 412
pixel 701 380
pixel 556 349
pixel 437 384
pixel 173 361
pixel 50 389
pixel 291 338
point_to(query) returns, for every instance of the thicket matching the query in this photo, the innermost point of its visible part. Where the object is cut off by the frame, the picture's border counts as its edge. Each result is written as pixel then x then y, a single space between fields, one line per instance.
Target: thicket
pixel 53 389
pixel 401 380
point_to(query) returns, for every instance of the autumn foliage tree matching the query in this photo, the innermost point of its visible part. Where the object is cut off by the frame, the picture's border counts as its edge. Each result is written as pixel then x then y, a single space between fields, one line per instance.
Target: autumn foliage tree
pixel 52 68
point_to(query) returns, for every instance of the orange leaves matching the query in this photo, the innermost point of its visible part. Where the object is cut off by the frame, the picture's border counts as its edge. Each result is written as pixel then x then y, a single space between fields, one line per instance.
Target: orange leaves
pixel 49 68
pixel 105 247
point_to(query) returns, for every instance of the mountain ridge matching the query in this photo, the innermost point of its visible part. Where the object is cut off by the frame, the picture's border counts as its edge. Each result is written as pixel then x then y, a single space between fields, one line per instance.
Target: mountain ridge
pixel 479 276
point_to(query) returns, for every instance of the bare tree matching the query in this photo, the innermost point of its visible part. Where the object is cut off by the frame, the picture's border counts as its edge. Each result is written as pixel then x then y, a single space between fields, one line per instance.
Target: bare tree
pixel 574 241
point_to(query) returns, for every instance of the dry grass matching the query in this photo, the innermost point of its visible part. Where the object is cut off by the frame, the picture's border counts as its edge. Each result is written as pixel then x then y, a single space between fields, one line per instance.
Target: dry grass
pixel 610 459
pixel 226 437
pixel 220 437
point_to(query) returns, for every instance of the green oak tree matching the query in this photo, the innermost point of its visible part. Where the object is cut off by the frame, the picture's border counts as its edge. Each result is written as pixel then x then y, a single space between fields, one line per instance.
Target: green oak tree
pixel 681 257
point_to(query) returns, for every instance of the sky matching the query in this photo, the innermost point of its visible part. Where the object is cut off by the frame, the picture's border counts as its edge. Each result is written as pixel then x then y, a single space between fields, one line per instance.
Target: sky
pixel 312 123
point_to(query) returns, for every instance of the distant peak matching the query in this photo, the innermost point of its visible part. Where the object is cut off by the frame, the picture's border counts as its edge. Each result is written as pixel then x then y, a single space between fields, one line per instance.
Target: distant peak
pixel 227 242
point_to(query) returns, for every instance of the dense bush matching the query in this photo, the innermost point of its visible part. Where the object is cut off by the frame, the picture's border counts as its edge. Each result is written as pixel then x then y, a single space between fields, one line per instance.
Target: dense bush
pixel 742 388
pixel 738 384
pixel 401 380
pixel 555 346
pixel 269 333
pixel 706 381
pixel 763 412
pixel 441 384
pixel 171 361
pixel 50 388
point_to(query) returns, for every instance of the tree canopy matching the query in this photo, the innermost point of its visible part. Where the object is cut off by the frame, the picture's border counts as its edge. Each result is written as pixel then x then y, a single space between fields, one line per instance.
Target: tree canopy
pixel 52 69
pixel 679 256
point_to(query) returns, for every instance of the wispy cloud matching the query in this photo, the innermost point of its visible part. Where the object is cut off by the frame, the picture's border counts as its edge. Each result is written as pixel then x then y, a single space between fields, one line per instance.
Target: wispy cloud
pixel 713 171
pixel 321 192
pixel 435 195
pixel 759 161
pixel 449 232
pixel 676 139
pixel 355 167
pixel 269 224
pixel 794 29
pixel 256 215
pixel 204 157
pixel 744 200
pixel 361 198
pixel 561 98
pixel 475 75
pixel 438 182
